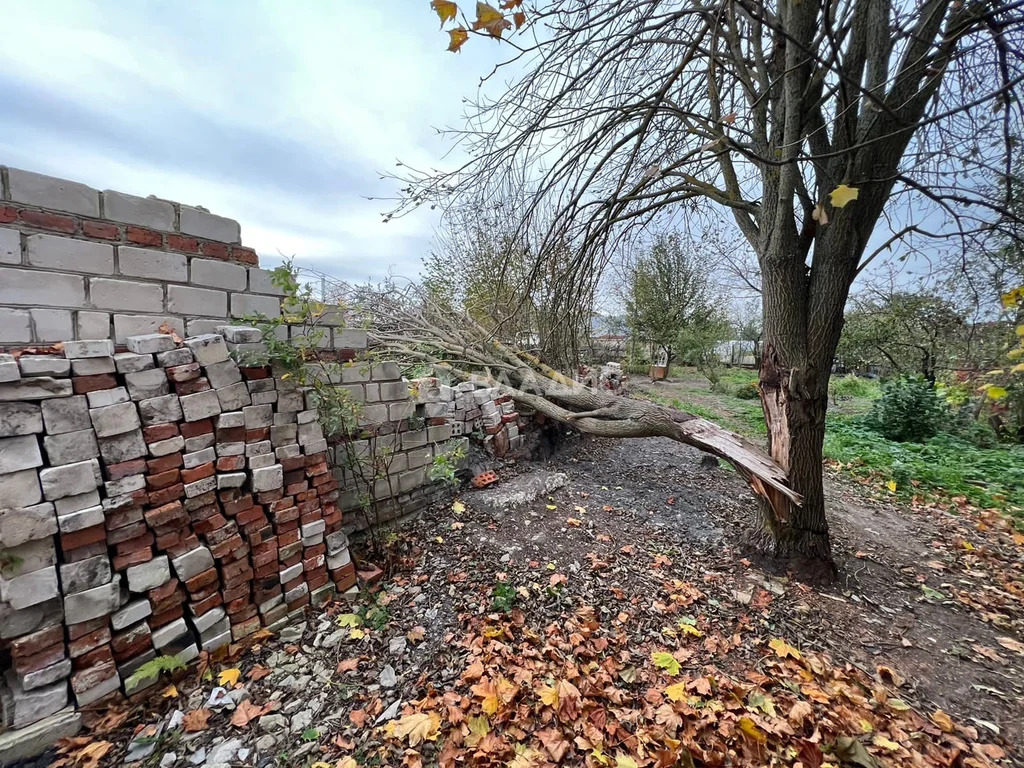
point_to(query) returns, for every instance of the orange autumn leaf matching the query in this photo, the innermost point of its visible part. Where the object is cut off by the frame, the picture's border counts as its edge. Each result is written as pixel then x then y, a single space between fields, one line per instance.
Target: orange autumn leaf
pixel 196 720
pixel 457 38
pixel 445 9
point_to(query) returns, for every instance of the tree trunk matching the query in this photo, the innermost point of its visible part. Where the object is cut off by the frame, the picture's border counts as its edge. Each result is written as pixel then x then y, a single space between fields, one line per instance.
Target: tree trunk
pixel 795 407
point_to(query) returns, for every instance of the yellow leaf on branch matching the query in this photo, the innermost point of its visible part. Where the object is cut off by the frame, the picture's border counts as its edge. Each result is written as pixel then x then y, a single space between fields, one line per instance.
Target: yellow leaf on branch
pixel 843 194
pixel 457 38
pixel 490 20
pixel 445 9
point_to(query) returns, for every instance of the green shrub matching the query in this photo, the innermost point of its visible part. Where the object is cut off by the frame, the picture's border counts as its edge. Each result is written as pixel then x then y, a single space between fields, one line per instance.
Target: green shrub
pixel 852 385
pixel 747 391
pixel 909 410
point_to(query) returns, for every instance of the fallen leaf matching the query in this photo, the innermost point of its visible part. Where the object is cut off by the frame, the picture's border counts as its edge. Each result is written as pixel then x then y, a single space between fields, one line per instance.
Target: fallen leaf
pixel 783 649
pixel 666 661
pixel 677 692
pixel 170 692
pixel 258 672
pixel 1011 645
pixel 941 719
pixel 247 711
pixel 346 665
pixel 418 727
pixel 799 712
pixel 196 720
pixel 229 677
pixel 750 728
pixel 416 634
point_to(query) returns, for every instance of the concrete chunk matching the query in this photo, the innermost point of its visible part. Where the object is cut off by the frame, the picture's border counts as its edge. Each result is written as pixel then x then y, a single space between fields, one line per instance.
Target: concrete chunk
pixel 34 739
pixel 130 362
pixel 93 603
pixel 19 453
pixel 194 221
pixel 36 388
pixel 146 384
pixel 80 519
pixel 20 419
pixel 69 414
pixel 85 574
pixel 192 563
pixel 201 405
pixel 68 480
pixel 208 349
pixel 233 397
pixel 74 350
pixel 152 264
pixel 44 365
pixel 20 489
pixel 160 410
pixel 114 419
pixel 104 397
pixel 240 334
pixel 149 575
pixel 53 193
pixel 30 588
pixel 144 211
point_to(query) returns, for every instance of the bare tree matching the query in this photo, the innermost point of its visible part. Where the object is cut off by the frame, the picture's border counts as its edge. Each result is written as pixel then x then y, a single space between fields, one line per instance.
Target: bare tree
pixel 808 120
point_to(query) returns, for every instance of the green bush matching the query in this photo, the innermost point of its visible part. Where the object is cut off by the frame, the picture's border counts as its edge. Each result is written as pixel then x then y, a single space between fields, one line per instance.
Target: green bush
pixel 909 410
pixel 748 391
pixel 852 385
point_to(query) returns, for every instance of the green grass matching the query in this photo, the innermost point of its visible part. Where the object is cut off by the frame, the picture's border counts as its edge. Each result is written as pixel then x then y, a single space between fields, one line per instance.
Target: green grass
pixel 942 466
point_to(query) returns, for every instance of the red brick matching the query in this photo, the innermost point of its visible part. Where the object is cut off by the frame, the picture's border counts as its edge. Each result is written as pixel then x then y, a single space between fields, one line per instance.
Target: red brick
pixel 313 563
pixel 202 500
pixel 176 597
pixel 254 373
pixel 267 569
pixel 236 568
pixel 139 556
pixel 270 545
pixel 126 532
pixel 209 524
pixel 220 535
pixel 166 541
pixel 288 537
pixel 244 256
pixel 346 581
pixel 334 518
pixel 182 388
pixel 214 250
pixel 286 515
pixel 44 658
pixel 231 435
pixel 159 432
pixel 325 484
pixel 230 463
pixel 202 593
pixel 160 619
pixel 164 463
pixel 203 606
pixel 37 642
pixel 319 468
pixel 7 214
pixel 260 596
pixel 87 679
pixel 101 230
pixel 315 458
pixel 301 602
pixel 204 579
pixel 250 516
pixel 189 543
pixel 163 480
pixel 52 221
pixel 317 581
pixel 236 606
pixel 99 655
pixel 125 469
pixel 139 542
pixel 82 385
pixel 129 642
pixel 83 628
pixel 225 547
pixel 307 507
pixel 182 243
pixel 306 495
pixel 295 488
pixel 163 591
pixel 196 428
pixel 166 513
pixel 317 550
pixel 232 508
pixel 288 465
pixel 268 496
pixel 142 236
pixel 166 495
pixel 186 372
pixel 257 435
pixel 197 473
pixel 84 537
pixel 270 556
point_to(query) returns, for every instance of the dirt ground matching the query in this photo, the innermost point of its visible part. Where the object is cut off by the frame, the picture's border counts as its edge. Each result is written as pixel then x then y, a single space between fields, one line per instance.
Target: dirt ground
pixel 641 548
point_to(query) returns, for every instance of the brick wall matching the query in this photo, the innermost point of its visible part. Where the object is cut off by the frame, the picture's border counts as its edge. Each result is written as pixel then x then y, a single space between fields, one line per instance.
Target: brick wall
pixel 78 263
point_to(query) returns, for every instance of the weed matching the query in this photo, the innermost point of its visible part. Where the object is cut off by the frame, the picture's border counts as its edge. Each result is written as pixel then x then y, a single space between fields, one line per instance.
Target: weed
pixel 503 598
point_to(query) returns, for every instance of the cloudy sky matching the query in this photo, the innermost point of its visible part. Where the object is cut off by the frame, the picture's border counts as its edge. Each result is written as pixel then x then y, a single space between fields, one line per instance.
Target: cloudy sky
pixel 279 114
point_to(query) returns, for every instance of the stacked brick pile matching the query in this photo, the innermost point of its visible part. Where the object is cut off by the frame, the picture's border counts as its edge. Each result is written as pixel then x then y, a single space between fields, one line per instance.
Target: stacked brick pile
pixel 154 500
pixel 468 408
